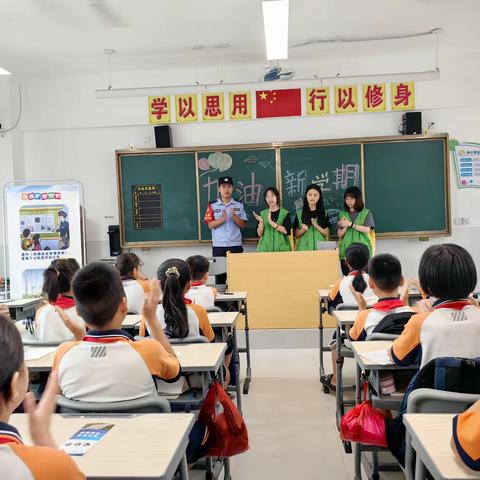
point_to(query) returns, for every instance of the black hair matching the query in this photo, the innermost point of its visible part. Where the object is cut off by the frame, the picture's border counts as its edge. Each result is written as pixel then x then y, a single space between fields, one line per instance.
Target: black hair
pixel 355 193
pixel 11 356
pixel 447 271
pixel 174 274
pixel 199 266
pixel 275 192
pixel 57 278
pixel 357 255
pixel 386 271
pixel 98 292
pixel 126 263
pixel 36 239
pixel 319 212
pixel 26 232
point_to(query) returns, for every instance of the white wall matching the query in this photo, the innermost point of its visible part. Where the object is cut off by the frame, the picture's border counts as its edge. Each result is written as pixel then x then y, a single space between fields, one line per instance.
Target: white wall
pixel 68 134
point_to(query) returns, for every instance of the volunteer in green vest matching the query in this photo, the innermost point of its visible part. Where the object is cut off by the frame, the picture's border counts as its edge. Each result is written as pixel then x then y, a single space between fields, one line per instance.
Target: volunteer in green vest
pixel 311 223
pixel 355 224
pixel 274 224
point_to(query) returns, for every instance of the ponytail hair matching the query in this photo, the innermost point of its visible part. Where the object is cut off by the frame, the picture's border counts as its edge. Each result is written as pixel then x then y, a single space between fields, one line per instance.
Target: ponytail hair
pixel 126 263
pixel 174 274
pixel 357 256
pixel 57 278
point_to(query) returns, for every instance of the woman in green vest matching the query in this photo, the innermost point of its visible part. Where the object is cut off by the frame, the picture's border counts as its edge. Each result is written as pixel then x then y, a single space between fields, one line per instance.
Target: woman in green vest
pixel 311 222
pixel 274 224
pixel 355 224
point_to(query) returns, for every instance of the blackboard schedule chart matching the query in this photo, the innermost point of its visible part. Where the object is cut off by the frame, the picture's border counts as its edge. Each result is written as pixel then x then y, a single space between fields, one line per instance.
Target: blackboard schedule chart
pixel 147 206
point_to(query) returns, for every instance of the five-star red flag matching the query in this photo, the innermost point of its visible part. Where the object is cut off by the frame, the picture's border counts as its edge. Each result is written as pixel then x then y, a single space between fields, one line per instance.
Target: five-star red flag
pixel 279 103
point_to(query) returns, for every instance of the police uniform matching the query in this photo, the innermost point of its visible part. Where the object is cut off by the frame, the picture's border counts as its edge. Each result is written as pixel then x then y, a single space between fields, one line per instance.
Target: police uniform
pixel 227 237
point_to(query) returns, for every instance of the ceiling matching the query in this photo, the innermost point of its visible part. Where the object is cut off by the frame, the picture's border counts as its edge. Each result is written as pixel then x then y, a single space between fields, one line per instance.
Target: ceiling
pixel 64 37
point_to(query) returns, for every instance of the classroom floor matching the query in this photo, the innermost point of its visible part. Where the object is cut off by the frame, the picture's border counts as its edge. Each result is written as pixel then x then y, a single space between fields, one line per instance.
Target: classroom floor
pixel 291 422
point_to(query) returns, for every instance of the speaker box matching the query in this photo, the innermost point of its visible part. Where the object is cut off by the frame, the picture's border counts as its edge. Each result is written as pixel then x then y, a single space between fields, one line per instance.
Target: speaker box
pixel 412 123
pixel 163 136
pixel 114 240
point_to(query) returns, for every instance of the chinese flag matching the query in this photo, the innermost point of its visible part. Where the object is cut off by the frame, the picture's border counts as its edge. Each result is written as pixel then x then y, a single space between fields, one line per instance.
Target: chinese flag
pixel 279 103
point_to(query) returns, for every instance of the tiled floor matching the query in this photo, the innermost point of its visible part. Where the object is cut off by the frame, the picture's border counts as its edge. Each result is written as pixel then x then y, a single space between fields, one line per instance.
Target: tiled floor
pixel 291 421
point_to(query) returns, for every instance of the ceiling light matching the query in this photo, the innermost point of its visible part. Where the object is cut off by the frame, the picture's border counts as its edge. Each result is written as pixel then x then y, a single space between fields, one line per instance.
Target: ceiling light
pixel 4 72
pixel 275 23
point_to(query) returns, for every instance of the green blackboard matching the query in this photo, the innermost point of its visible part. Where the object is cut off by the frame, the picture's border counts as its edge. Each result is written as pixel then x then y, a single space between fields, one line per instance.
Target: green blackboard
pixel 169 213
pixel 334 168
pixel 405 184
pixel 252 171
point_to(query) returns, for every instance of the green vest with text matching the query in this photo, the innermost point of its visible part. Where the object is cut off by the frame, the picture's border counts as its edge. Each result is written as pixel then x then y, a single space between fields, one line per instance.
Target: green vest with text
pixel 272 240
pixel 352 235
pixel 308 241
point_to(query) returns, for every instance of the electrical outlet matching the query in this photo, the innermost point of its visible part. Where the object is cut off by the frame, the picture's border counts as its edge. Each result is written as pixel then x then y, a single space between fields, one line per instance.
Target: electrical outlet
pixel 457 221
pixel 465 220
pixel 147 140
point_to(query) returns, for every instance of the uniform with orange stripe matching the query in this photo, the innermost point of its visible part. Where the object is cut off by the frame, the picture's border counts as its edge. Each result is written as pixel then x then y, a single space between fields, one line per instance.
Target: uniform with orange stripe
pixel 452 327
pixel 466 436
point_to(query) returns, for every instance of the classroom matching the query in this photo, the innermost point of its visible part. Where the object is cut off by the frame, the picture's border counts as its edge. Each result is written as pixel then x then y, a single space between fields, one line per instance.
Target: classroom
pixel 239 240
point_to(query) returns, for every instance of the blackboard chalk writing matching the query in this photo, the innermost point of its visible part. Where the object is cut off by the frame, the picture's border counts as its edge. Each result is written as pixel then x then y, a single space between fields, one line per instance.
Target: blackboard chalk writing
pixel 147 207
pixel 322 181
pixel 249 192
pixel 346 174
pixel 295 182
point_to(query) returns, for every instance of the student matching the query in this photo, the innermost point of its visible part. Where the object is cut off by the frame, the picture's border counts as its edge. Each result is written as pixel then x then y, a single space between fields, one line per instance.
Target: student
pixel 226 218
pixel 107 364
pixel 128 264
pixel 466 436
pixel 178 316
pixel 199 293
pixel 385 279
pixel 354 225
pixel 357 256
pixel 37 246
pixel 274 224
pixel 27 242
pixel 42 461
pixel 57 286
pixel 311 224
pixel 452 327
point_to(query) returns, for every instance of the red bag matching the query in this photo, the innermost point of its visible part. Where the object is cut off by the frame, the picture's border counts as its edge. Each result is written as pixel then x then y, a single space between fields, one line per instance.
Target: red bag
pixel 228 434
pixel 364 424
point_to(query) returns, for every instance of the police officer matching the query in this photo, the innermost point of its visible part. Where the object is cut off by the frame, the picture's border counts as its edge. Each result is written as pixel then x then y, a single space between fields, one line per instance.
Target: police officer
pixel 64 229
pixel 225 217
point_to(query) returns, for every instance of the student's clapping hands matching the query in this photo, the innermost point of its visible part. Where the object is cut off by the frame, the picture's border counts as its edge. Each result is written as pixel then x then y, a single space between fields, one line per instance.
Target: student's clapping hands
pixel 77 330
pixel 150 303
pixel 360 299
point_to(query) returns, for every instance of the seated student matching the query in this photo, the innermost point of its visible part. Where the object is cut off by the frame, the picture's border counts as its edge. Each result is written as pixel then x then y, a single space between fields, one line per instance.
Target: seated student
pixel 128 264
pixel 199 293
pixel 452 327
pixel 466 436
pixel 107 365
pixel 57 285
pixel 385 279
pixel 178 316
pixel 356 257
pixel 42 461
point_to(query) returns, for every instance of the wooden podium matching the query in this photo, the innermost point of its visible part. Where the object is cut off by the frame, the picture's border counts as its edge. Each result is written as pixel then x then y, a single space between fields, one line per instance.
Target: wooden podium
pixel 283 286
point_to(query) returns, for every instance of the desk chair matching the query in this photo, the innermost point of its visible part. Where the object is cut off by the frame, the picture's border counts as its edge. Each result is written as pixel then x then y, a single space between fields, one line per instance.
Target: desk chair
pixel 218 268
pixel 428 400
pixel 187 340
pixel 154 404
pixel 382 336
pixel 214 309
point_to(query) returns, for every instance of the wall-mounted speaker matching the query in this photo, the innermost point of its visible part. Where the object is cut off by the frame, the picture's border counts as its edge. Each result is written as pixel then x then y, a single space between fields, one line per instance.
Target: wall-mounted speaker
pixel 114 240
pixel 411 123
pixel 163 136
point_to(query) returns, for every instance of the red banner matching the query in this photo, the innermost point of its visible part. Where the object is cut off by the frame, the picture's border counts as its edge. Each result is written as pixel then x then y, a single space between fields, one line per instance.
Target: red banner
pixel 279 103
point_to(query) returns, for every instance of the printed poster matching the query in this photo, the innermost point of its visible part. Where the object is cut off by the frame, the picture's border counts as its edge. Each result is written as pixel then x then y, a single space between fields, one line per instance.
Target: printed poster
pixel 43 223
pixel 467 164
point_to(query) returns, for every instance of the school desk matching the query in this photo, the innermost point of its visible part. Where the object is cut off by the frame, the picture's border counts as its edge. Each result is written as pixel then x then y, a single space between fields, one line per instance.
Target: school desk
pixel 148 446
pixel 131 321
pixel 23 307
pixel 431 434
pixel 241 299
pixel 226 321
pixel 391 402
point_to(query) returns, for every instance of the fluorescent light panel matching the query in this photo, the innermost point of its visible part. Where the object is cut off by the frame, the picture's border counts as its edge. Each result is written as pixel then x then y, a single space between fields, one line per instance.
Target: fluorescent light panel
pixel 275 23
pixel 4 72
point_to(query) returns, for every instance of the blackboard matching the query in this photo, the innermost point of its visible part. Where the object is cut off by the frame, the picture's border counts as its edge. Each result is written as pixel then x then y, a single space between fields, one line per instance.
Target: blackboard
pixel 252 171
pixel 171 180
pixel 334 168
pixel 405 185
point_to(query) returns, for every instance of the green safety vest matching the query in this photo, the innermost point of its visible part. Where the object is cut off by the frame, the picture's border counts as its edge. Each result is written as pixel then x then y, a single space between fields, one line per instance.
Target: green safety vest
pixel 272 240
pixel 308 241
pixel 352 235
